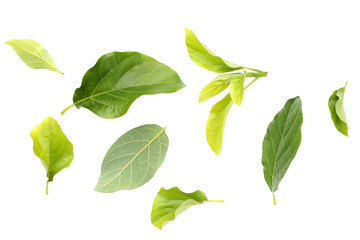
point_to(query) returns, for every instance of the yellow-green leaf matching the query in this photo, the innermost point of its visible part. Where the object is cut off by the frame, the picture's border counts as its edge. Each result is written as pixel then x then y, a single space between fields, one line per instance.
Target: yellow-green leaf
pixel 52 147
pixel 336 106
pixel 219 84
pixel 216 123
pixel 204 58
pixel 169 203
pixel 237 88
pixel 33 54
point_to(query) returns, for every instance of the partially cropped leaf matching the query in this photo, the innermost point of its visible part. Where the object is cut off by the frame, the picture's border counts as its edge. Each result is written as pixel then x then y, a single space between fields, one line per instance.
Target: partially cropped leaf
pixel 219 84
pixel 119 78
pixel 52 147
pixel 336 106
pixel 281 142
pixel 168 204
pixel 33 54
pixel 204 58
pixel 133 159
pixel 216 123
pixel 237 88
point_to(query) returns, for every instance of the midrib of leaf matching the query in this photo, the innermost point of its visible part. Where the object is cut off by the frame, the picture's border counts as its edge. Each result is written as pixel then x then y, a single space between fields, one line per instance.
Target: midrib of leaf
pixel 136 155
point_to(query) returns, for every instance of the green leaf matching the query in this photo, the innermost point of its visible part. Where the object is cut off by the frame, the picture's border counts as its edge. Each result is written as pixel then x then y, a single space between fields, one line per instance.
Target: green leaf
pixel 168 204
pixel 204 58
pixel 52 147
pixel 336 106
pixel 237 88
pixel 219 84
pixel 33 54
pixel 118 79
pixel 216 123
pixel 133 159
pixel 281 142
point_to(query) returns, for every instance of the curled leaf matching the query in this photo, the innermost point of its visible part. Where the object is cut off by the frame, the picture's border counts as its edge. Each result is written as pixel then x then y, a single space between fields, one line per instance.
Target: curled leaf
pixel 281 142
pixel 168 204
pixel 52 147
pixel 216 123
pixel 110 87
pixel 336 106
pixel 133 159
pixel 33 54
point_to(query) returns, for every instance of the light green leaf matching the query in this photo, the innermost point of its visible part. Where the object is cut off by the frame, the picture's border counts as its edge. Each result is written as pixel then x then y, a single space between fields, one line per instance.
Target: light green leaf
pixel 336 106
pixel 216 123
pixel 133 159
pixel 219 84
pixel 168 204
pixel 52 147
pixel 204 58
pixel 33 54
pixel 237 88
pixel 281 142
pixel 118 79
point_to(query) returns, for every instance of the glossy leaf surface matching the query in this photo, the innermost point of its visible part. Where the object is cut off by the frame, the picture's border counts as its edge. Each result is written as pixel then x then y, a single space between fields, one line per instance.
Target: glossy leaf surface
pixel 52 147
pixel 336 106
pixel 33 54
pixel 237 88
pixel 204 58
pixel 219 84
pixel 216 123
pixel 281 142
pixel 168 204
pixel 133 159
pixel 119 78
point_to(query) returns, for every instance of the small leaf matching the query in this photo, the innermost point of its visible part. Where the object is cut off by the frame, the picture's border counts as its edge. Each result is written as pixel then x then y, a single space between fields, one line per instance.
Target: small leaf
pixel 204 58
pixel 168 204
pixel 281 142
pixel 52 147
pixel 216 123
pixel 219 84
pixel 237 88
pixel 33 54
pixel 336 106
pixel 133 159
pixel 110 87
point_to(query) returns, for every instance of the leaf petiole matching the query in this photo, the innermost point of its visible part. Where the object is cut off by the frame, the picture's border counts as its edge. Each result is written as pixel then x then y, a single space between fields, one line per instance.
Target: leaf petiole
pixel 67 108
pixel 219 201
pixel 47 187
pixel 274 199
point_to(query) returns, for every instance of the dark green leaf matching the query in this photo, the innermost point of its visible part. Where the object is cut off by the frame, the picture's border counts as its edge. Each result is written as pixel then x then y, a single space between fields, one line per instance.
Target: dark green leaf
pixel 281 142
pixel 119 78
pixel 336 106
pixel 133 159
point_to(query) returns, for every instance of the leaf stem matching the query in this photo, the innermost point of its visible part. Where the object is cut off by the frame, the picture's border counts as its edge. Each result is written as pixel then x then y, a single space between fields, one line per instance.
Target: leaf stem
pixel 274 199
pixel 67 108
pixel 59 71
pixel 219 201
pixel 47 187
pixel 251 82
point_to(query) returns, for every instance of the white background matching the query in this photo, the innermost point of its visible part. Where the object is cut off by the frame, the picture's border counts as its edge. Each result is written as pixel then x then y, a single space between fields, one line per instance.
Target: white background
pixel 309 48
